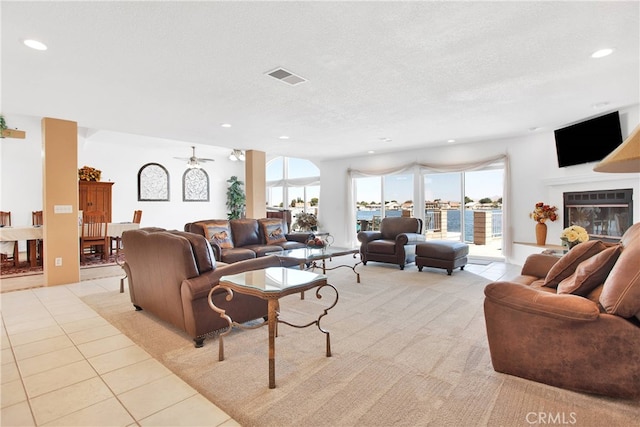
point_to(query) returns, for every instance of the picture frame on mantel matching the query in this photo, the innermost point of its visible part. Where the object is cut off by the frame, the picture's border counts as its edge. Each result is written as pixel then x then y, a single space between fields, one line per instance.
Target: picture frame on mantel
pixel 153 183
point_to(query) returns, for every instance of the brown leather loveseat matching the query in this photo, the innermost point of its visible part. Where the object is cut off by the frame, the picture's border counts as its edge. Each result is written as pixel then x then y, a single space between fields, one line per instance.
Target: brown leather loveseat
pixel 170 275
pixel 572 322
pixel 240 239
pixel 395 242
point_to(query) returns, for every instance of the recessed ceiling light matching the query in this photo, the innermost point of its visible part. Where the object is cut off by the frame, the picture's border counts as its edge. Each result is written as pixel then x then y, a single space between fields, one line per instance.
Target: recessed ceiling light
pixel 371 152
pixel 35 44
pixel 451 141
pixel 601 53
pixel 225 125
pixel 600 104
pixel 284 137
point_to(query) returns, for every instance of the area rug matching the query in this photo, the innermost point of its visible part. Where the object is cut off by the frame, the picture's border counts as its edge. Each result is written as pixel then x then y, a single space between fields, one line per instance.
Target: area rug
pixel 409 349
pixel 24 269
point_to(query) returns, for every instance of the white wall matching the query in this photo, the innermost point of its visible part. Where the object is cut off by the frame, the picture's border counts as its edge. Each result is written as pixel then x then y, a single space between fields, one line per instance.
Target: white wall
pixel 119 157
pixel 535 176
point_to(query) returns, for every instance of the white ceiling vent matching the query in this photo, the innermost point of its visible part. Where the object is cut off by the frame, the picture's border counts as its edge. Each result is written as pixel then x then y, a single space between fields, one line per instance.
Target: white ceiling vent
pixel 286 76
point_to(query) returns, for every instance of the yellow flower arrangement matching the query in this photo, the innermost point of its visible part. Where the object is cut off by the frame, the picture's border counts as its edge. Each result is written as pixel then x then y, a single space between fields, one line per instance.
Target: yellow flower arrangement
pixel 573 235
pixel 87 173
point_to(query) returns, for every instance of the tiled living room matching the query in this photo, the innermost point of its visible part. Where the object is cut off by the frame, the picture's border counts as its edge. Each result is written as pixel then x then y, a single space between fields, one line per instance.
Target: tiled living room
pixel 420 98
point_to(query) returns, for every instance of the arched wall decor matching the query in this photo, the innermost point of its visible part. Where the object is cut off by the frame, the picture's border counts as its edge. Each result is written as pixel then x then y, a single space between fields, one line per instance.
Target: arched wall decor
pixel 195 185
pixel 153 183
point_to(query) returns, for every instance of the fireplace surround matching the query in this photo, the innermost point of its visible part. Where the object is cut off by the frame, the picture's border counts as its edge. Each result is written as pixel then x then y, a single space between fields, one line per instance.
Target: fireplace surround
pixel 605 214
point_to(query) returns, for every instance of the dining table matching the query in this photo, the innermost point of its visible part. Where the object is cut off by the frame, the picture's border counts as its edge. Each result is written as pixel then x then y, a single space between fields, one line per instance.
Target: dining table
pixel 31 234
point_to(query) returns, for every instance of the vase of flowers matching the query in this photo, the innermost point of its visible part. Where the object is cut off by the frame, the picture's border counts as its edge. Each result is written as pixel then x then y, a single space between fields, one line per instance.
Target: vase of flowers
pixel 573 235
pixel 87 173
pixel 541 213
pixel 305 222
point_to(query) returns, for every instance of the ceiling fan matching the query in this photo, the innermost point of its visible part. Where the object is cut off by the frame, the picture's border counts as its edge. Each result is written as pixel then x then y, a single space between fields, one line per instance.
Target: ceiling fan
pixel 193 161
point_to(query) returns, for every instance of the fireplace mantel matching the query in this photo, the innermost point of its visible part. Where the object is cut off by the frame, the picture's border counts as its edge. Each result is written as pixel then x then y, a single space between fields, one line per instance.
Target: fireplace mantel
pixel 581 179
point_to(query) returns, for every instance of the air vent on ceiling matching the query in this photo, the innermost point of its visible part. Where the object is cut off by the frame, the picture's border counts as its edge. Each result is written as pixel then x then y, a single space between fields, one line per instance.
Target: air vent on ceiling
pixel 286 76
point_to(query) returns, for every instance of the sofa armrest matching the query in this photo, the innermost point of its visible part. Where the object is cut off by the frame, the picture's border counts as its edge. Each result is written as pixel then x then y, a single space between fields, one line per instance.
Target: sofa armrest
pixel 538 265
pixel 524 298
pixel 199 287
pixel 410 238
pixel 300 237
pixel 368 236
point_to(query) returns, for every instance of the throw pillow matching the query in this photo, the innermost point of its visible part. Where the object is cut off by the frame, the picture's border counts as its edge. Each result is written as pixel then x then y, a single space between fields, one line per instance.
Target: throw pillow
pixel 590 273
pixel 570 261
pixel 621 290
pixel 273 231
pixel 218 232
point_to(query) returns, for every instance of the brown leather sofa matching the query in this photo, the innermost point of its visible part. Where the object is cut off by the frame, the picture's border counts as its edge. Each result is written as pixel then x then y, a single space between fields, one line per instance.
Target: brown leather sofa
pixel 572 321
pixel 394 243
pixel 240 239
pixel 170 275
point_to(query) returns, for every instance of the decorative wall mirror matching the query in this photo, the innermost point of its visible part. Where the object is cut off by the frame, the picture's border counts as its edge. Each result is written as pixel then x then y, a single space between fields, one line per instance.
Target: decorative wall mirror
pixel 195 185
pixel 153 183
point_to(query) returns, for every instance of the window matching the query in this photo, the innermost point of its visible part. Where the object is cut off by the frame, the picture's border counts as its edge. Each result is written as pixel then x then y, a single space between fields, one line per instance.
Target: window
pixel 293 184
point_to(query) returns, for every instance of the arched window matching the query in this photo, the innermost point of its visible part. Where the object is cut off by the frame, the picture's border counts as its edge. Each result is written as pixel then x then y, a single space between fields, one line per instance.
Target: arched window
pixel 153 183
pixel 195 185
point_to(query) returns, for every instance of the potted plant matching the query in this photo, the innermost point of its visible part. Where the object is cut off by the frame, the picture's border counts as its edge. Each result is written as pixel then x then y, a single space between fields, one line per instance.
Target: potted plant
pixel 3 126
pixel 305 222
pixel 236 198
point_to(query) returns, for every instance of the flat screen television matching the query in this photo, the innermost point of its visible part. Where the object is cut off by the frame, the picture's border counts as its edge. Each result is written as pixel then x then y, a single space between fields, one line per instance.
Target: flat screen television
pixel 588 141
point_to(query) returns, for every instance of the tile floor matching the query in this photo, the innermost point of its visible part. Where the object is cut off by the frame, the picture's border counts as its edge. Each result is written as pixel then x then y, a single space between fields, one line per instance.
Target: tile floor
pixel 63 365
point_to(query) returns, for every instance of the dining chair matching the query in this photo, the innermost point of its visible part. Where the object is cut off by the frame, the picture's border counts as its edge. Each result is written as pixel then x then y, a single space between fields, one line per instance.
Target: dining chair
pixel 5 220
pixel 94 233
pixel 36 220
pixel 137 216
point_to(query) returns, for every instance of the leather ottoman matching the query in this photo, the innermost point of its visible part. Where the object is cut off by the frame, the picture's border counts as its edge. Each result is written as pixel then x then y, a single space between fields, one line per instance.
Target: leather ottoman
pixel 442 254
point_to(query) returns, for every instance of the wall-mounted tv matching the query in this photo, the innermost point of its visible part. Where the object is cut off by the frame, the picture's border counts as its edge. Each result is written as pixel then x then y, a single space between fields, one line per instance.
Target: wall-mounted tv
pixel 588 141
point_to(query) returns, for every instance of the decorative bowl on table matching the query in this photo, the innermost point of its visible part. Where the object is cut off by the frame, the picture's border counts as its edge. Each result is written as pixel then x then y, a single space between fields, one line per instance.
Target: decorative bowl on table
pixel 316 243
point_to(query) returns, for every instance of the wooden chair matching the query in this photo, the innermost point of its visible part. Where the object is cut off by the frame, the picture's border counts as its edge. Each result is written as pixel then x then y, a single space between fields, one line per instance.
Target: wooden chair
pixel 36 219
pixel 94 233
pixel 5 220
pixel 137 217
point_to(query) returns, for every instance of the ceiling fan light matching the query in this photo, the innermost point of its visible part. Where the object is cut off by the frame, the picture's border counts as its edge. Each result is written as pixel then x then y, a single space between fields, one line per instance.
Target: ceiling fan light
pixel 236 155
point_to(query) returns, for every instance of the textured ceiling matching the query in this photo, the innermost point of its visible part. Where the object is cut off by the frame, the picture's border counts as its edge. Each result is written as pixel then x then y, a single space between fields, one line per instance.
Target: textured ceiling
pixel 419 73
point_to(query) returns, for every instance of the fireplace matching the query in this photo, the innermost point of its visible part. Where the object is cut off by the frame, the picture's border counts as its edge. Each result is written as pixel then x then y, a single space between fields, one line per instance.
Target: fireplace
pixel 605 214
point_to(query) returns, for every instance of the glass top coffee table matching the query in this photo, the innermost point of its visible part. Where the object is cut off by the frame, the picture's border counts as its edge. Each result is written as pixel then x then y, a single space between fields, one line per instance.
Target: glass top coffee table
pixel 308 258
pixel 271 284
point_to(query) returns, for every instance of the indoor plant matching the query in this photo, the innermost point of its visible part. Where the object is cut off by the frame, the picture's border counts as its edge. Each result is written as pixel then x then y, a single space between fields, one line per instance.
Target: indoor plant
pixel 236 198
pixel 305 222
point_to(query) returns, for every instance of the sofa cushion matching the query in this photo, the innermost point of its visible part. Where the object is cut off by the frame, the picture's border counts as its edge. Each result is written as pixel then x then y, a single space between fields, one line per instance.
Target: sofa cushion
pixel 621 291
pixel 218 232
pixel 273 230
pixel 590 273
pixel 202 252
pixel 570 261
pixel 245 232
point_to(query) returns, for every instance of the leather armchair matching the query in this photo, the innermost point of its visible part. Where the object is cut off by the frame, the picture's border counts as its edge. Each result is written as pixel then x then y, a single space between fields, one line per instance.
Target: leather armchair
pixel 394 243
pixel 571 322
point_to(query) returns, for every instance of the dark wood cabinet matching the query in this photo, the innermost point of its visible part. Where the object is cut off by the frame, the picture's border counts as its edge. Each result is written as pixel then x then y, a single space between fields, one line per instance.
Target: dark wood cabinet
pixel 95 196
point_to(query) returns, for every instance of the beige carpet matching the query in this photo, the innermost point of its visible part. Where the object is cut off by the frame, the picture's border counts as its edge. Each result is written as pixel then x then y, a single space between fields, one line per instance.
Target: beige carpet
pixel 409 349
